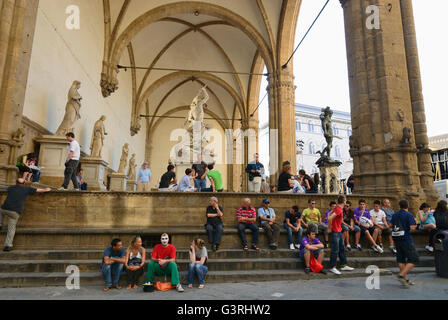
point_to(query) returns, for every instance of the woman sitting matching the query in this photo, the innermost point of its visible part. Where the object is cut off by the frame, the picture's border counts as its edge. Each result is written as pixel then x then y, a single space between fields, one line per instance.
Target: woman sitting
pixel 21 164
pixel 441 218
pixel 285 180
pixel 135 260
pixel 198 261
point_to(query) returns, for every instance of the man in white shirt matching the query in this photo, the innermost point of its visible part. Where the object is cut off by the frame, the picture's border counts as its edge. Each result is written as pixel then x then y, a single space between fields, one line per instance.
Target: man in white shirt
pixel 71 162
pixel 379 221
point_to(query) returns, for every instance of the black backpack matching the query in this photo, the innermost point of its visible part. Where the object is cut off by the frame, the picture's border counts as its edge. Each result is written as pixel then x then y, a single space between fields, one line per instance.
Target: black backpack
pixel 398 231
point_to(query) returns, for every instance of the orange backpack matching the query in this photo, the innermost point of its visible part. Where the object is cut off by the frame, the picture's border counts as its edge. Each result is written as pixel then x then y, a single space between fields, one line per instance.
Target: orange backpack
pixel 163 286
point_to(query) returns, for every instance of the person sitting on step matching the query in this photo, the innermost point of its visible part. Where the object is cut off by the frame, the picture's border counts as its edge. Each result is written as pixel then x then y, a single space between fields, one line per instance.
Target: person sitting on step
pixel 247 217
pixel 135 262
pixel 311 216
pixel 198 263
pixel 349 226
pixel 113 262
pixel 365 222
pixel 427 221
pixel 163 263
pixel 270 227
pixel 168 180
pixel 214 224
pixel 185 184
pixel 311 245
pixel 379 221
pixel 292 222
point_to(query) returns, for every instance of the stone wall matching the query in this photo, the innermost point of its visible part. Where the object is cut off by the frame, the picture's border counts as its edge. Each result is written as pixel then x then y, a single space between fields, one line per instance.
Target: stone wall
pixel 151 210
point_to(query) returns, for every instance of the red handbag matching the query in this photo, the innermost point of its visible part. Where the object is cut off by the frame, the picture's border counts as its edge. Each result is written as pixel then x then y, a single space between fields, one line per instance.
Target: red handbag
pixel 163 286
pixel 315 265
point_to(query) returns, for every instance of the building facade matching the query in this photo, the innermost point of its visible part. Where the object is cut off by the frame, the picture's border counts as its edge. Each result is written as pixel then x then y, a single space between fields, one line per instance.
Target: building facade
pixel 310 139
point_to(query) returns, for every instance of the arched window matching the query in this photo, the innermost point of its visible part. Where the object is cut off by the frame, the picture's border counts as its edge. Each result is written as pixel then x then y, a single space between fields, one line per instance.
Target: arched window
pixel 349 131
pixel 311 148
pixel 335 130
pixel 337 151
pixel 310 126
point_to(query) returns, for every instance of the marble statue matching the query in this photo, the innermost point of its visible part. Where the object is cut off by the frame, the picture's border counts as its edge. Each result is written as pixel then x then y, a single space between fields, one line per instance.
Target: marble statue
pixel 71 110
pixel 131 170
pixel 196 112
pixel 124 158
pixel 98 138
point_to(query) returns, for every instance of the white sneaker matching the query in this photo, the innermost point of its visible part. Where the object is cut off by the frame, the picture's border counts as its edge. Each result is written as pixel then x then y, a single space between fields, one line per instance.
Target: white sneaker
pixel 335 271
pixel 380 250
pixel 430 249
pixel 297 246
pixel 375 248
pixel 179 288
pixel 347 268
pixel 291 246
pixel 62 189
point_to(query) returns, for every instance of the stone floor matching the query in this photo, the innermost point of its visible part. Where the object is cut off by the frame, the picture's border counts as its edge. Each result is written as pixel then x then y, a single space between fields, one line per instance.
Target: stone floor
pixel 427 287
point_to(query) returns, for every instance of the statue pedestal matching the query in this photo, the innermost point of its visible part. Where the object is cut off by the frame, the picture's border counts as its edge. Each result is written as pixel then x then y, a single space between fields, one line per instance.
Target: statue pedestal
pixel 94 169
pixel 52 156
pixel 131 186
pixel 118 182
pixel 329 175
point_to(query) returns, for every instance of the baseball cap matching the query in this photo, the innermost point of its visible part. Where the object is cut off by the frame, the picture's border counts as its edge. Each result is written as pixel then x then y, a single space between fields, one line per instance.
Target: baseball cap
pixel 266 201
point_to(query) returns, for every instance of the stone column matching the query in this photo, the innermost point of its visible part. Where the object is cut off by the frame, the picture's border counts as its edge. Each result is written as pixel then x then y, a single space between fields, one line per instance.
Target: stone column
pixel 17 25
pixel 385 155
pixel 94 171
pixel 418 106
pixel 282 118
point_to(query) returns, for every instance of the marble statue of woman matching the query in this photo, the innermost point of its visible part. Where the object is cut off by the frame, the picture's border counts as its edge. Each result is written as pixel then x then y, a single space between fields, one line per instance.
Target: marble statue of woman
pixel 124 158
pixel 197 109
pixel 131 170
pixel 71 110
pixel 98 138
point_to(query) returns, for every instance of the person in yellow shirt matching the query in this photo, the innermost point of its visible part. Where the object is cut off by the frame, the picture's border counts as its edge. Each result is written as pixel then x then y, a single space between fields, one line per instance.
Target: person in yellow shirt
pixel 311 218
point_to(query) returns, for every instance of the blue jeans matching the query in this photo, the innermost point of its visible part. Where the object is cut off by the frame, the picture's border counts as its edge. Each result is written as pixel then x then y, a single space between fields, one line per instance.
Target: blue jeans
pixel 36 175
pixel 214 233
pixel 112 270
pixel 253 227
pixel 209 189
pixel 200 184
pixel 196 269
pixel 337 248
pixel 289 229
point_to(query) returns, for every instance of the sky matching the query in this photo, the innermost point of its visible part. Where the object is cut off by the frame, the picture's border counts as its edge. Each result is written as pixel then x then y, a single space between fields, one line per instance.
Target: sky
pixel 320 64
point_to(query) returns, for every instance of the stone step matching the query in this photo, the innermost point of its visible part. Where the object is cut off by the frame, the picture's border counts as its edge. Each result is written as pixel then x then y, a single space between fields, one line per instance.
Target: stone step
pixel 89 238
pixel 17 255
pixel 10 280
pixel 30 266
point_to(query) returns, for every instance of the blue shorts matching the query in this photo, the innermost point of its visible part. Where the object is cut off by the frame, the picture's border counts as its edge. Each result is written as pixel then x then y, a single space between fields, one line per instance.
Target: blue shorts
pixel 315 252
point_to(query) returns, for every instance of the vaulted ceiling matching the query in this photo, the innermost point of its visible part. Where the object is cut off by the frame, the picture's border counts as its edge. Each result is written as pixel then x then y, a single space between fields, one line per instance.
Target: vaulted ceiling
pixel 230 36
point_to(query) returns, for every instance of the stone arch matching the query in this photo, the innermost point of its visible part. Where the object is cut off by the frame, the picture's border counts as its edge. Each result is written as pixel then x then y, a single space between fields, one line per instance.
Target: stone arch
pixel 109 81
pixel 183 74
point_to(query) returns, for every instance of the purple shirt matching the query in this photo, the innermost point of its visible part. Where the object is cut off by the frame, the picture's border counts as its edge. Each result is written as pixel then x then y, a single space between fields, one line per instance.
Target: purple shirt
pixel 357 214
pixel 326 216
pixel 306 241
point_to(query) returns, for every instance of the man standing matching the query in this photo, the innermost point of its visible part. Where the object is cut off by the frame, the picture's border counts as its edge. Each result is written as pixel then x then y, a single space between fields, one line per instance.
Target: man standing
pixel 271 228
pixel 144 178
pixel 163 262
pixel 389 213
pixel 71 162
pixel 402 223
pixel 200 171
pixel 311 217
pixel 246 217
pixel 337 241
pixel 13 206
pixel 255 169
pixel 113 261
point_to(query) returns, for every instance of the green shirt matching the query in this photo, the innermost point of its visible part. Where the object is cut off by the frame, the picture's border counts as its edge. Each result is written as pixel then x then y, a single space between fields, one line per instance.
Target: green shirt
pixel 311 216
pixel 217 178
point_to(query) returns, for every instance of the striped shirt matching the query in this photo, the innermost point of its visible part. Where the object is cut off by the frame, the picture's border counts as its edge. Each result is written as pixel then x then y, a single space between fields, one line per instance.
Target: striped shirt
pixel 246 213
